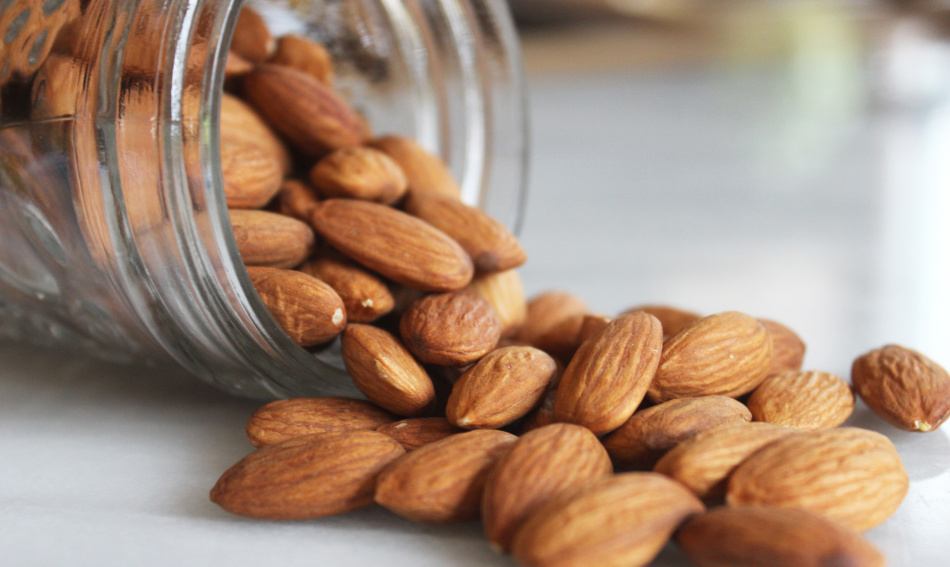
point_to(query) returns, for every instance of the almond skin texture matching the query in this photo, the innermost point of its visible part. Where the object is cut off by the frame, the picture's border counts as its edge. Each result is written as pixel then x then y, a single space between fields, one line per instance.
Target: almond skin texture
pixel 251 175
pixel 286 419
pixel 847 474
pixel 904 387
pixel 269 239
pixel 442 482
pixel 239 123
pixel 803 400
pixel 399 246
pixel 504 385
pixel 366 297
pixel 506 294
pixel 788 349
pixel 385 372
pixel 307 477
pixel 425 172
pixel 755 536
pixel 541 464
pixel 673 319
pixel 649 434
pixel 546 311
pixel 305 55
pixel 450 329
pixel 726 354
pixel 310 115
pixel 619 521
pixel 492 247
pixel 252 39
pixel 704 462
pixel 607 378
pixel 308 310
pixel 416 432
pixel 359 173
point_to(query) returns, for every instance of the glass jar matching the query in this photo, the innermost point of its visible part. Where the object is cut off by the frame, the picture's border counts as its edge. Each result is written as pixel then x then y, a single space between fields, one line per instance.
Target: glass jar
pixel 114 233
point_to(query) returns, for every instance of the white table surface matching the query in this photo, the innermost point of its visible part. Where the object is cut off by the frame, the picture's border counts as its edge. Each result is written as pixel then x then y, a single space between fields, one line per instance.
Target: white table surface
pixel 710 190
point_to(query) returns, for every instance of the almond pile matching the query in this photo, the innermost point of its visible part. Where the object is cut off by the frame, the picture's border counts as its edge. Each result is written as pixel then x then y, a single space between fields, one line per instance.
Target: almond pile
pixel 577 439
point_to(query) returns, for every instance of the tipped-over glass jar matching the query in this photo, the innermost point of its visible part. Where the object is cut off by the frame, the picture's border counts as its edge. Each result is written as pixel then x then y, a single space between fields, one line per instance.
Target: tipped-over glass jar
pixel 114 230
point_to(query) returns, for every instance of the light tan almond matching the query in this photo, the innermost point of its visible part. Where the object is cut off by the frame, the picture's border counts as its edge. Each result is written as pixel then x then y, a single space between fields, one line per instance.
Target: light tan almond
pixel 310 115
pixel 618 521
pixel 307 477
pixel 506 294
pixel 398 246
pixel 308 310
pixel 788 349
pixel 252 39
pixel 251 175
pixel 491 246
pixel 450 329
pixel 607 378
pixel 546 311
pixel 542 464
pixel 649 434
pixel 304 54
pixel 847 474
pixel 755 536
pixel 904 387
pixel 442 482
pixel 385 372
pixel 803 400
pixel 727 354
pixel 239 123
pixel 236 66
pixel 704 462
pixel 504 385
pixel 416 432
pixel 366 297
pixel 270 239
pixel 425 172
pixel 296 199
pixel 673 319
pixel 286 419
pixel 359 173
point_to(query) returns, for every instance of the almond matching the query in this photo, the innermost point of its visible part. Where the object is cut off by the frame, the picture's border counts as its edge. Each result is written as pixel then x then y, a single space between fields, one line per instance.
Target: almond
pixel 704 462
pixel 673 319
pixel 727 354
pixel 311 116
pixel 563 339
pixel 269 239
pixel 850 475
pixel 366 296
pixel 623 521
pixel 252 39
pixel 546 311
pixel 419 431
pixel 385 372
pixel 286 419
pixel 504 385
pixel 359 173
pixel 308 310
pixel 305 55
pixel 296 199
pixel 307 477
pixel 491 246
pixel 649 434
pixel 442 482
pixel 540 465
pixel 398 246
pixel 607 378
pixel 803 400
pixel 755 536
pixel 241 123
pixel 506 294
pixel 590 326
pixel 450 329
pixel 788 349
pixel 251 175
pixel 904 387
pixel 425 172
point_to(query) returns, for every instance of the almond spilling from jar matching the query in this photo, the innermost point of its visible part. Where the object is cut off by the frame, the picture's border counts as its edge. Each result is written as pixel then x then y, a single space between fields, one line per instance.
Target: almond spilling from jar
pixel 803 400
pixel 308 310
pixel 417 432
pixel 295 417
pixel 271 240
pixel 359 173
pixel 365 295
pixel 450 329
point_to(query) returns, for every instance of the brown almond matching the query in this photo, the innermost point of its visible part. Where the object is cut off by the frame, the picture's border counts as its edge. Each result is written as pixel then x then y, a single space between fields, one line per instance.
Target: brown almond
pixel 385 372
pixel 563 339
pixel 426 172
pixel 726 354
pixel 307 477
pixel 847 474
pixel 286 419
pixel 803 400
pixel 590 326
pixel 416 432
pixel 399 246
pixel 308 310
pixel 504 385
pixel 270 239
pixel 251 175
pixel 252 39
pixel 296 199
pixel 359 173
pixel 236 66
pixel 607 378
pixel 649 434
pixel 492 247
pixel 673 319
pixel 365 295
pixel 304 54
pixel 442 482
pixel 239 123
pixel 623 521
pixel 310 115
pixel 450 329
pixel 547 310
pixel 542 464
pixel 506 294
pixel 755 536
pixel 704 462
pixel 788 349
pixel 904 387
